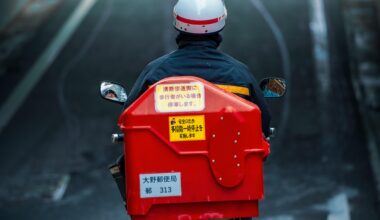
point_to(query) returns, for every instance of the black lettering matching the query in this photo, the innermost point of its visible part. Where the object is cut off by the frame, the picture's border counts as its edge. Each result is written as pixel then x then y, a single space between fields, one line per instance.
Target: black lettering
pixel 148 190
pixel 165 190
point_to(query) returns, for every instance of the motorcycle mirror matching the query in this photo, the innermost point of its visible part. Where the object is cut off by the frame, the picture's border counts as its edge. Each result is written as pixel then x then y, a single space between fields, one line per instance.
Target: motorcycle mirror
pixel 273 87
pixel 113 92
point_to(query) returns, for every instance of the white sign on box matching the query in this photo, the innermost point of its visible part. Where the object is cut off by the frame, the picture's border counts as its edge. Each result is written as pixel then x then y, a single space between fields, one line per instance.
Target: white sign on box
pixel 182 97
pixel 160 185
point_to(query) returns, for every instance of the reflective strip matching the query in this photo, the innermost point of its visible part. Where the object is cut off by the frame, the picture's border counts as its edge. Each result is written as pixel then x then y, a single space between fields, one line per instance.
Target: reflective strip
pixel 240 90
pixel 197 22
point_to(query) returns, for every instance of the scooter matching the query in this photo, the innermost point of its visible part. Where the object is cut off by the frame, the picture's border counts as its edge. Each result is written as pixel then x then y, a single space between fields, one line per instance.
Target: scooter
pixel 114 92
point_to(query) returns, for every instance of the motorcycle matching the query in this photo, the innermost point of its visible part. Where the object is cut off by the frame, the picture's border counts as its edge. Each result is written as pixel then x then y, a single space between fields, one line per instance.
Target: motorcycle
pixel 271 88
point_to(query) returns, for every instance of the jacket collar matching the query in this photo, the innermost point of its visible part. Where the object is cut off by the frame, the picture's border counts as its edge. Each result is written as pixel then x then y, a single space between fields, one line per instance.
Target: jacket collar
pixel 187 40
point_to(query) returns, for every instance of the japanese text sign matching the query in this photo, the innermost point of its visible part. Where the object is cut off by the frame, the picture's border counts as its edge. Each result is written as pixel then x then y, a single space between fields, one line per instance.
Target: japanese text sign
pixel 182 97
pixel 187 128
pixel 160 185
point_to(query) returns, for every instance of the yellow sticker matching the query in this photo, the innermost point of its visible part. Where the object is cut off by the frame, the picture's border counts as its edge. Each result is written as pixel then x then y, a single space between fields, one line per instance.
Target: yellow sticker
pixel 181 97
pixel 187 128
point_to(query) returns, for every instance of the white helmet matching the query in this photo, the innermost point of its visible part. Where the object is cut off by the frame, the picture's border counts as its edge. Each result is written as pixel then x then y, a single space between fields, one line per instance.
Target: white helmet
pixel 200 16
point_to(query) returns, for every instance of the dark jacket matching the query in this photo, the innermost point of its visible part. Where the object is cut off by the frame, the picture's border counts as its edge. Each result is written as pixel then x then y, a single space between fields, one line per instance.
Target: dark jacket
pixel 198 56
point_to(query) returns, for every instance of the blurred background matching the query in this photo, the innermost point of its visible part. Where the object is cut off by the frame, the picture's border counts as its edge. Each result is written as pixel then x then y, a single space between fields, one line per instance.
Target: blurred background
pixel 55 129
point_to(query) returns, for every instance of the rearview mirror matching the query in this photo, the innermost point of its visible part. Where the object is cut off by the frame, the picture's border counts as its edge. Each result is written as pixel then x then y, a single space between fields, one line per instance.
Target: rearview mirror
pixel 113 92
pixel 273 87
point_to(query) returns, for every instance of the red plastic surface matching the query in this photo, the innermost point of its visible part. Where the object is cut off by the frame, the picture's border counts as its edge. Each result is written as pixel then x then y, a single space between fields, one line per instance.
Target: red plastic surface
pixel 221 176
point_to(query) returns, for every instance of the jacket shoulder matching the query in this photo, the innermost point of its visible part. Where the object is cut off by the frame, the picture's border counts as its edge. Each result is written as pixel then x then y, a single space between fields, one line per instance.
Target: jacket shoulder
pixel 238 64
pixel 157 62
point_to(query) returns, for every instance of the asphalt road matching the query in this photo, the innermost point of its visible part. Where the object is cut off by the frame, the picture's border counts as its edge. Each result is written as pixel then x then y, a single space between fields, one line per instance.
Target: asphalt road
pixel 319 166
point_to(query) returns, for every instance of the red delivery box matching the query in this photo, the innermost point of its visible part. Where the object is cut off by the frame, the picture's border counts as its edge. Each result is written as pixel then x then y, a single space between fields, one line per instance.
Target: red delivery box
pixel 192 151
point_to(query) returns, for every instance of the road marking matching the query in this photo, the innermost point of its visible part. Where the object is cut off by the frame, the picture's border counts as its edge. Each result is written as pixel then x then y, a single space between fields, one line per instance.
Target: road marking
pixel 338 208
pixel 321 55
pixel 281 42
pixel 47 186
pixel 280 217
pixel 72 121
pixel 21 92
pixel 60 191
pixel 319 33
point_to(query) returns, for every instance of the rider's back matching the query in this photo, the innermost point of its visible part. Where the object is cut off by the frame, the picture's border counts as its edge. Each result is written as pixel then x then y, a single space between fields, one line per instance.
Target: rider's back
pixel 200 57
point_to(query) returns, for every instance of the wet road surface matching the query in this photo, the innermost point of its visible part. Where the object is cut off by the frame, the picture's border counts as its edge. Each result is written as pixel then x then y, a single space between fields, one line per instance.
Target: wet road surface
pixel 319 167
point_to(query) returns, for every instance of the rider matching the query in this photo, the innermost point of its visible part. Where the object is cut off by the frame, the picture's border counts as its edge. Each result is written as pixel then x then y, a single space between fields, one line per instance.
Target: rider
pixel 199 23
